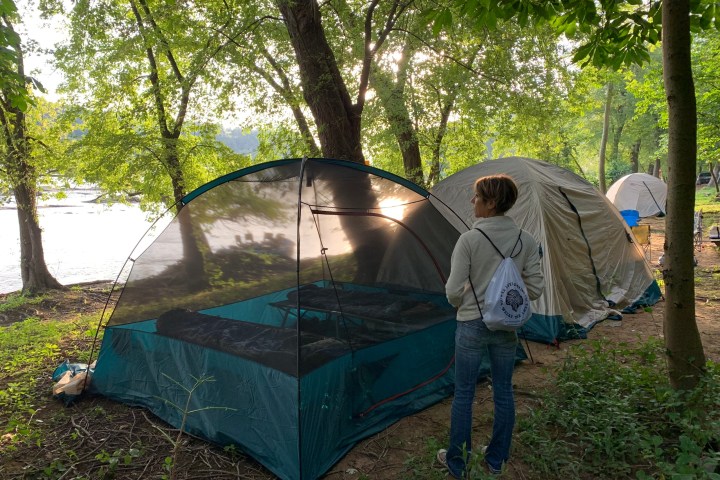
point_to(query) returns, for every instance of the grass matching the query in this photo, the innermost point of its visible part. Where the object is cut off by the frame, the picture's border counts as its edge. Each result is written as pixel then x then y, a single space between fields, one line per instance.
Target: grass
pixel 16 300
pixel 29 351
pixel 707 200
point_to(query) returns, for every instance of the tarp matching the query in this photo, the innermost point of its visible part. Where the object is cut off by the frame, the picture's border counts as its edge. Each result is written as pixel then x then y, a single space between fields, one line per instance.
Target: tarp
pixel 641 192
pixel 592 265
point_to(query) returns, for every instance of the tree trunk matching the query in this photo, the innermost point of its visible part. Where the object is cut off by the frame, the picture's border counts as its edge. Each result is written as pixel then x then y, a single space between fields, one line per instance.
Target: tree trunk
pixel 656 170
pixel 446 109
pixel 635 156
pixel 193 259
pixel 603 142
pixel 336 118
pixel 715 172
pixel 686 358
pixel 35 275
pixel 617 135
pixel 23 180
pixel 392 96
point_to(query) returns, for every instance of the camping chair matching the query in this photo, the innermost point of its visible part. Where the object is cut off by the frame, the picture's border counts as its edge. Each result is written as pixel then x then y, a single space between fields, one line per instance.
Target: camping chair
pixel 698 230
pixel 642 237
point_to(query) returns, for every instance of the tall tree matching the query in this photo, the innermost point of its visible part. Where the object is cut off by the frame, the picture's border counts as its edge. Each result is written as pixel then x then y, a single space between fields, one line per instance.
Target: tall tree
pixel 337 116
pixel 605 135
pixel 146 74
pixel 16 165
pixel 686 358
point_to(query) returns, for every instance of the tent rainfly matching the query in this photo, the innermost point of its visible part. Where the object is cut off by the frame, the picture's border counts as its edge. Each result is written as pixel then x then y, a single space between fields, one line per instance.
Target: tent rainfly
pixel 310 291
pixel 641 192
pixel 591 263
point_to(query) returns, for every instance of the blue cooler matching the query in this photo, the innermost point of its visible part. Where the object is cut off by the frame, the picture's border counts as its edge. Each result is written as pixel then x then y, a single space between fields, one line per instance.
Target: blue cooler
pixel 631 217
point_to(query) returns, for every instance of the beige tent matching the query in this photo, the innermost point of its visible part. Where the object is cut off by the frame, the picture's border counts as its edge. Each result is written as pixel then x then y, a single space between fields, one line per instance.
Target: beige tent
pixel 591 263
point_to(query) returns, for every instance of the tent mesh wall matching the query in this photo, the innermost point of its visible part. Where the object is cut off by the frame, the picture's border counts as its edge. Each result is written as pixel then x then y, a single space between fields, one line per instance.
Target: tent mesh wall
pixel 310 293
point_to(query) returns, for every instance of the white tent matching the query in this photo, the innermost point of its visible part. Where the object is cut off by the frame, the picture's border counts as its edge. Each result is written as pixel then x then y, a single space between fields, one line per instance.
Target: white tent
pixel 592 265
pixel 641 192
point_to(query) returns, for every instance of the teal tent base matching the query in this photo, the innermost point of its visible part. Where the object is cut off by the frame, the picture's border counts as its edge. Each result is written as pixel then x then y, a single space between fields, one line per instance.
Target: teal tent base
pixel 256 407
pixel 649 298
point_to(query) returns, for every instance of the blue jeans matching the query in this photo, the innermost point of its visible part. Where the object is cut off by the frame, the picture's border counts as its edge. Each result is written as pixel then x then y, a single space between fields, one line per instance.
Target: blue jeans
pixel 473 341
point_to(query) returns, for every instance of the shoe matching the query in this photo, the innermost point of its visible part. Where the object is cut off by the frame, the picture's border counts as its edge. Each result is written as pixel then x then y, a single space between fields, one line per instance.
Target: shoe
pixel 493 471
pixel 442 460
pixel 442 457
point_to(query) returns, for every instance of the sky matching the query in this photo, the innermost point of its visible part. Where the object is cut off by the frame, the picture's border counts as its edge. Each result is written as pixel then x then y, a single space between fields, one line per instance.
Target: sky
pixel 46 34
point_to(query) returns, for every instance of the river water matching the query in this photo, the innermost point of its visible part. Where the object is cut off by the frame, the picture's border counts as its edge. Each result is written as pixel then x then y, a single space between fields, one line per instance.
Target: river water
pixel 83 241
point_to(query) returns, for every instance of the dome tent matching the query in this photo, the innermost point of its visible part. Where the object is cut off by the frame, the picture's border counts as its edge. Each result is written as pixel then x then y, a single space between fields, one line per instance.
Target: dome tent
pixel 591 264
pixel 641 192
pixel 311 291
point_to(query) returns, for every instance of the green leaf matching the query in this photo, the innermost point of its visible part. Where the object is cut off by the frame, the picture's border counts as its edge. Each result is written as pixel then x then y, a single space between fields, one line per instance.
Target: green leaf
pixel 7 7
pixel 571 29
pixel 469 7
pixel 653 36
pixel 19 102
pixel 491 19
pixel 582 52
pixel 443 20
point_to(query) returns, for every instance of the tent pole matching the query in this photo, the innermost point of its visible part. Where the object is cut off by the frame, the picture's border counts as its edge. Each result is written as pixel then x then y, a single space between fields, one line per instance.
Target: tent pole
pixel 527 345
pixel 297 326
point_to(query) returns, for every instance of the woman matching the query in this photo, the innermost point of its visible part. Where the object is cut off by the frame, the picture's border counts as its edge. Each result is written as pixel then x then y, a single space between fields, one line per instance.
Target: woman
pixel 474 261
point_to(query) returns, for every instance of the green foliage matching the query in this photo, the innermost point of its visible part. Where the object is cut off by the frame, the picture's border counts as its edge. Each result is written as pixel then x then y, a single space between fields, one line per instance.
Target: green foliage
pixel 612 414
pixel 706 70
pixel 119 457
pixel 147 95
pixel 28 351
pixel 13 86
pixel 15 300
pixel 707 200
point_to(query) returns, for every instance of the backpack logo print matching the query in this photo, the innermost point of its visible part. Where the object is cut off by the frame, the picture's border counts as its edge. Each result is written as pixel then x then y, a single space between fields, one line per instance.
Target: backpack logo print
pixel 514 299
pixel 512 303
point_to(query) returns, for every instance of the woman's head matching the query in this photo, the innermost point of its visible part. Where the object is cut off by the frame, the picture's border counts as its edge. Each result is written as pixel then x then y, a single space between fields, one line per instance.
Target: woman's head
pixel 494 195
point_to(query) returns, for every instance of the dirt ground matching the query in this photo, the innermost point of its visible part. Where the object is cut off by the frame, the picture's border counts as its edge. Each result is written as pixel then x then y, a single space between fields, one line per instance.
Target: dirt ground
pixel 405 450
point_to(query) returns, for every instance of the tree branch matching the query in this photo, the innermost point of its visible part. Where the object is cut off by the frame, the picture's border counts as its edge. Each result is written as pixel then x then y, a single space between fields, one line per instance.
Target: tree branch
pixel 369 53
pixel 154 74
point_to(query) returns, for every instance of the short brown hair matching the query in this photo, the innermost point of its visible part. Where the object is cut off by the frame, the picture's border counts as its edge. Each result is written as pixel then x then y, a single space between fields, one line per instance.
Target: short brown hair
pixel 499 188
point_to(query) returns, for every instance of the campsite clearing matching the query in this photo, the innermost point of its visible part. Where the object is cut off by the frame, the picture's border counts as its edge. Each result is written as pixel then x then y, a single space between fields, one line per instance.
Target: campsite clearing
pixel 99 438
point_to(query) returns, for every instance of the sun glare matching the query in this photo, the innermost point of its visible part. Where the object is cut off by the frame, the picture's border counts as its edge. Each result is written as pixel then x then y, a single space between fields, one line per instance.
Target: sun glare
pixel 393 208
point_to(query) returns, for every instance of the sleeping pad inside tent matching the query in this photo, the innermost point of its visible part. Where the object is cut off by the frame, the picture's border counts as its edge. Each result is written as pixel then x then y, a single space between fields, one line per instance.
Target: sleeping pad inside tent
pixel 311 293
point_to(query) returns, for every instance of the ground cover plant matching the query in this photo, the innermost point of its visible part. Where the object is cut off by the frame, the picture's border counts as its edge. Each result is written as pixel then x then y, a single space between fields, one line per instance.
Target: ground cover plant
pixel 612 414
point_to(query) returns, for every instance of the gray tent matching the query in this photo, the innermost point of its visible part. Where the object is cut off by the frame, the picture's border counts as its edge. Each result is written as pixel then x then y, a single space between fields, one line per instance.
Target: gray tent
pixel 591 263
pixel 641 192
